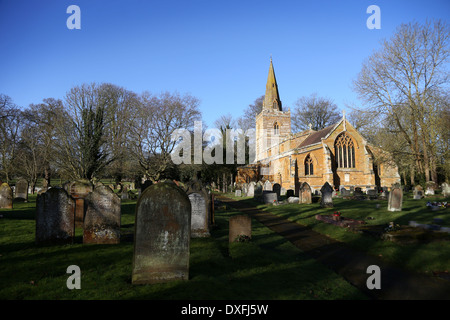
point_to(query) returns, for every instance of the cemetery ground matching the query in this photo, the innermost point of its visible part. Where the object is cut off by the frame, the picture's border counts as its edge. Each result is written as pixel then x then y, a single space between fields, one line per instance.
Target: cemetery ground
pixel 268 267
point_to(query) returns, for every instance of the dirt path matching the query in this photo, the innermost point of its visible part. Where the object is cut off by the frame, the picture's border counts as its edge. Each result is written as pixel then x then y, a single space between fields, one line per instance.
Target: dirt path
pixel 396 284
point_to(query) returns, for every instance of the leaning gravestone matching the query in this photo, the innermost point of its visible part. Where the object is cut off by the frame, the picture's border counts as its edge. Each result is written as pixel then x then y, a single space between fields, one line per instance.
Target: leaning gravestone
pixel 326 200
pixel 395 199
pixel 21 192
pixel 102 220
pixel 55 217
pixel 199 214
pixel 277 189
pixel 6 196
pixel 79 190
pixel 162 235
pixel 239 226
pixel 305 193
pixel 267 186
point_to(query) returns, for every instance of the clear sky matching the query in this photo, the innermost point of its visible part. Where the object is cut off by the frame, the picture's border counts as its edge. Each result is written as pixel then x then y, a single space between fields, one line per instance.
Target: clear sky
pixel 218 51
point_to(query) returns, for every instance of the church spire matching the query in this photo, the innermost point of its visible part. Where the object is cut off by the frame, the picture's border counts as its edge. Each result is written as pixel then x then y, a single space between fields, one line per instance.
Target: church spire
pixel 272 97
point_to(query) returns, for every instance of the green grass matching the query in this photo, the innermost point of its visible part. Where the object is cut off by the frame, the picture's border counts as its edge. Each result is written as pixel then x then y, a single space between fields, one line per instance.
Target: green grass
pixel 268 267
pixel 419 257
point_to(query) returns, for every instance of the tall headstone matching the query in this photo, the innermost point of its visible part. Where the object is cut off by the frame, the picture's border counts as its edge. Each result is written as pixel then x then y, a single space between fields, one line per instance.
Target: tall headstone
pixel 55 217
pixel 326 200
pixel 267 186
pixel 277 189
pixel 199 214
pixel 258 190
pixel 162 235
pixel 395 199
pixel 240 225
pixel 445 189
pixel 6 196
pixel 21 191
pixel 305 193
pixel 102 220
pixel 79 190
pixel 251 189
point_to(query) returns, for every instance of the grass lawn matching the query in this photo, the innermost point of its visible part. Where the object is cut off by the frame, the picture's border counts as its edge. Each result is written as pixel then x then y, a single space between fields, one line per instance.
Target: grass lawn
pixel 268 267
pixel 420 257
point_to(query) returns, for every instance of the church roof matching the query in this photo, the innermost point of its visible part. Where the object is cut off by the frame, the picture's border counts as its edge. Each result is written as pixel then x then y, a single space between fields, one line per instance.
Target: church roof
pixel 316 137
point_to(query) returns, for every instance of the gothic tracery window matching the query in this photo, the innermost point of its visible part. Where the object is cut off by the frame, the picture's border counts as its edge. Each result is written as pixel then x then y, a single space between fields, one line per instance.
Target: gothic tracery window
pixel 344 151
pixel 309 167
pixel 276 128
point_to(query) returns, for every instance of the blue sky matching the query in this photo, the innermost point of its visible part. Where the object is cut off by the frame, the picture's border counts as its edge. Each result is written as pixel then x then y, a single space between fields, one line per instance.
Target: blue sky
pixel 218 51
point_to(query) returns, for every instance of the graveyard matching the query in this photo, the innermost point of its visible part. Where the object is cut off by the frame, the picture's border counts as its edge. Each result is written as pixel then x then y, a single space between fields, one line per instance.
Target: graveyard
pixel 221 264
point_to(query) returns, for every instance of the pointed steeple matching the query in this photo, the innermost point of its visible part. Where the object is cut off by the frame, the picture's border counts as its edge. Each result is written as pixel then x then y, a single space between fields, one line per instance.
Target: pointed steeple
pixel 272 97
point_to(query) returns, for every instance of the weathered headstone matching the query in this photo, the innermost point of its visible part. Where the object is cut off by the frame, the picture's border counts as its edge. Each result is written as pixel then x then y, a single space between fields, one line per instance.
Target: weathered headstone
pixel 21 191
pixel 239 226
pixel 305 193
pixel 251 189
pixel 238 193
pixel 418 192
pixel 267 186
pixel 55 217
pixel 162 235
pixel 289 193
pixel 445 189
pixel 258 192
pixel 199 214
pixel 326 200
pixel 372 194
pixel 6 196
pixel 345 192
pixel 124 194
pixel 277 189
pixel 395 199
pixel 358 194
pixel 283 191
pixel 430 187
pixel 269 197
pixel 79 190
pixel 102 220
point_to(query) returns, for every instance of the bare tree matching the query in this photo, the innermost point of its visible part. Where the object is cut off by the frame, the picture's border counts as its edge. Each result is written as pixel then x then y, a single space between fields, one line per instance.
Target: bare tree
pixel 247 120
pixel 403 79
pixel 316 111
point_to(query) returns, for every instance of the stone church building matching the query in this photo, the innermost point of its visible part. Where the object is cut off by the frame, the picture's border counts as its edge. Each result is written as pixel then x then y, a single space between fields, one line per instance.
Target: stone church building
pixel 337 154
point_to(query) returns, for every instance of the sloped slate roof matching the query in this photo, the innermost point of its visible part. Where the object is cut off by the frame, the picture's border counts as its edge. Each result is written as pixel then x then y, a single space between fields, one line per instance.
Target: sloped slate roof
pixel 316 137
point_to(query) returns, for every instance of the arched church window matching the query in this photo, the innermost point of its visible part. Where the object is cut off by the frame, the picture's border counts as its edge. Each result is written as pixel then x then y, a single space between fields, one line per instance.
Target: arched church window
pixel 344 151
pixel 276 128
pixel 309 167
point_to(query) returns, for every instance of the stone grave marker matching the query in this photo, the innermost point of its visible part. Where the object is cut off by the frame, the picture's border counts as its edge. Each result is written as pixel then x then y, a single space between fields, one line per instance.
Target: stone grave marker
pixel 418 192
pixel 345 192
pixel 283 192
pixel 395 199
pixel 238 193
pixel 267 186
pixel 290 193
pixel 239 226
pixel 430 187
pixel 305 193
pixel 358 194
pixel 269 197
pixel 372 194
pixel 79 190
pixel 102 220
pixel 445 189
pixel 6 196
pixel 277 189
pixel 199 214
pixel 124 195
pixel 251 189
pixel 21 191
pixel 162 235
pixel 258 192
pixel 55 222
pixel 326 200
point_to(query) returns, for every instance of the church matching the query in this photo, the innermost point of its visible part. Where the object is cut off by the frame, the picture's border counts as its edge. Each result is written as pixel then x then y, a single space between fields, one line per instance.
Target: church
pixel 337 154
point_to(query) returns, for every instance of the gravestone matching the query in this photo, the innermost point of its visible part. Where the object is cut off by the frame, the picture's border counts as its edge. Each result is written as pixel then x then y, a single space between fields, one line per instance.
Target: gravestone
pixel 358 194
pixel 102 220
pixel 21 191
pixel 305 193
pixel 258 190
pixel 269 197
pixel 326 200
pixel 239 226
pixel 445 189
pixel 79 190
pixel 277 189
pixel 238 193
pixel 251 189
pixel 395 199
pixel 267 186
pixel 55 222
pixel 430 187
pixel 372 194
pixel 6 196
pixel 162 235
pixel 418 192
pixel 289 193
pixel 199 214
pixel 124 194
pixel 283 192
pixel 345 192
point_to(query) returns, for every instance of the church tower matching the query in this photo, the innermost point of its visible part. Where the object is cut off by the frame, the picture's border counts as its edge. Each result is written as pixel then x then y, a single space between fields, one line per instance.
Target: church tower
pixel 273 125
